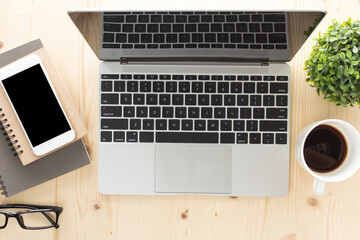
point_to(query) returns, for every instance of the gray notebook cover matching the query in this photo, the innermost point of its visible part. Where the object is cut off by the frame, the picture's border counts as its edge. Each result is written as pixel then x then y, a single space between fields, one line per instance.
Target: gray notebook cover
pixel 14 177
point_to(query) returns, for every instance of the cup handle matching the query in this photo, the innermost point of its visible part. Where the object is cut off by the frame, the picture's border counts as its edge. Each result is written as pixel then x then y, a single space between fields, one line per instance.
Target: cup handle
pixel 318 187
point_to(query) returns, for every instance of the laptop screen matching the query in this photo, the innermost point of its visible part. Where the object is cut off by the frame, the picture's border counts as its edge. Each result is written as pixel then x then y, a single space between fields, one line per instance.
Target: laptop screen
pixel 267 35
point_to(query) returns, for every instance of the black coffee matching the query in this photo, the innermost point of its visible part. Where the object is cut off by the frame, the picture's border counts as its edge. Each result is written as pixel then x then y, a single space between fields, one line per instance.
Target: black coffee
pixel 325 149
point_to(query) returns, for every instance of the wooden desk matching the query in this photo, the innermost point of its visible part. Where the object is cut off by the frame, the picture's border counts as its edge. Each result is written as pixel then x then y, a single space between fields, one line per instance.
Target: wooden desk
pixel 90 215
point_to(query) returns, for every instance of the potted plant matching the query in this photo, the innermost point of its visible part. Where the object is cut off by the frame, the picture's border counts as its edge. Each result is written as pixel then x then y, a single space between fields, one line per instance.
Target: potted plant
pixel 333 65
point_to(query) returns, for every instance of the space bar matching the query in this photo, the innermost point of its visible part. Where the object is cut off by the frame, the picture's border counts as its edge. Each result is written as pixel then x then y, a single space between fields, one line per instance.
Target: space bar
pixel 186 137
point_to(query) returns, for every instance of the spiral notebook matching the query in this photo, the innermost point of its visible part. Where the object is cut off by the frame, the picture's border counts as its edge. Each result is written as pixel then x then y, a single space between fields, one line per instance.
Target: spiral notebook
pixel 15 178
pixel 7 115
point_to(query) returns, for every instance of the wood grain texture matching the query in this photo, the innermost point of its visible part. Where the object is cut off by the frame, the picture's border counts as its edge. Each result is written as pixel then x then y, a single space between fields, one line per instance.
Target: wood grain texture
pixel 90 215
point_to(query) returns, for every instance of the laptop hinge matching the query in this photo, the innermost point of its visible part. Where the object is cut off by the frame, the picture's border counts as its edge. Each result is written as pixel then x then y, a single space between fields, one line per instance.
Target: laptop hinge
pixel 196 60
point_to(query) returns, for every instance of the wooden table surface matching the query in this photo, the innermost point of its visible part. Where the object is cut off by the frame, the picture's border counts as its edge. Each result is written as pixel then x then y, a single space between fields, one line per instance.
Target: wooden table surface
pixel 90 215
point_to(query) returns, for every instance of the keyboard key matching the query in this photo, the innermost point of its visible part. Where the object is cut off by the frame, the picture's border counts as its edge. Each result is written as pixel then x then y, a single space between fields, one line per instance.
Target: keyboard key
pixel 174 124
pixel 129 111
pixel 216 45
pixel 184 87
pixel 223 37
pixel 171 86
pixel 197 37
pixel 161 124
pixel 204 77
pixel 241 27
pixel 144 18
pixel 276 113
pixel 242 138
pixel 109 76
pixel 229 46
pixel 278 87
pixel 255 46
pixel 258 113
pixel 227 138
pixel 190 28
pixel 194 18
pixel 158 86
pixel 148 124
pixel 256 18
pixel 159 38
pixel 108 37
pixel 223 87
pixel 239 125
pixel 216 27
pixel 254 27
pixel 231 18
pixel 255 138
pixel 181 19
pixel 119 136
pixel 167 112
pixel 190 45
pixel 156 18
pixel 206 18
pixel 125 98
pixel 190 99
pixel 141 112
pixel 171 38
pixel 230 77
pixel 226 125
pixel 229 27
pixel 267 27
pixel 268 138
pixel 131 137
pixel 216 100
pixel 213 125
pixel 147 137
pixel 184 38
pixel 210 87
pixel 140 27
pixel 242 78
pixel 267 46
pixel 197 87
pixel 135 124
pixel 145 86
pixel 269 78
pixel 153 28
pixel 178 28
pixel 106 86
pixel 186 137
pixel 106 136
pixel 177 99
pixel 277 38
pixel 255 100
pixel 206 112
pixel 274 18
pixel 111 111
pixel 282 78
pixel 114 124
pixel 219 18
pixel 110 27
pixel 131 19
pixel 244 18
pixel 180 112
pixel 251 125
pixel 219 112
pixel 249 87
pixel 151 99
pixel 146 38
pixel 109 98
pixel 126 76
pixel 243 100
pixel 262 87
pixel 139 76
pixel 139 99
pixel 273 126
pixel 200 125
pixel 152 46
pixel 132 86
pixel 168 18
pixel 203 28
pixel 155 112
pixel 248 38
pixel 245 113
pixel 268 100
pixel 187 125
pixel 108 45
pixel 281 100
pixel 118 19
pixel 165 77
pixel 280 27
pixel 261 38
pixel 164 99
pixel 229 100
pixel 281 138
pixel 235 38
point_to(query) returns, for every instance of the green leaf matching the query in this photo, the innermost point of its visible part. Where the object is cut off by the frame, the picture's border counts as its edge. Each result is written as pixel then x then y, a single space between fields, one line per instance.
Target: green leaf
pixel 354 63
pixel 342 56
pixel 355 49
pixel 348 54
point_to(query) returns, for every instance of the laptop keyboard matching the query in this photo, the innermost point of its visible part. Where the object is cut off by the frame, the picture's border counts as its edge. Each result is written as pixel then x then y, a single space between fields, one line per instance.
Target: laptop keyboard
pixel 203 30
pixel 178 108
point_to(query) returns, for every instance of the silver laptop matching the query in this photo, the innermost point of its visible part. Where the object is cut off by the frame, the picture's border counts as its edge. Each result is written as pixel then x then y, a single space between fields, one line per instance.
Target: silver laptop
pixel 195 102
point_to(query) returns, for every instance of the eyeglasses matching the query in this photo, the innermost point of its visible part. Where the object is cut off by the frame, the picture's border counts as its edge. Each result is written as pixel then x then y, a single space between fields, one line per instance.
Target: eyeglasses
pixel 36 218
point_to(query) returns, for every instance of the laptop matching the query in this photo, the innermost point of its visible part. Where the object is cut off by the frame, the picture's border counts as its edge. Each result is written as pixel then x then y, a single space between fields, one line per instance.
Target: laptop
pixel 195 102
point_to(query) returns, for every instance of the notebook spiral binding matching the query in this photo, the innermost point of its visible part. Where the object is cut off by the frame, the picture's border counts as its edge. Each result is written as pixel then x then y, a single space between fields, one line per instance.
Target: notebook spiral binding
pixel 3 187
pixel 10 136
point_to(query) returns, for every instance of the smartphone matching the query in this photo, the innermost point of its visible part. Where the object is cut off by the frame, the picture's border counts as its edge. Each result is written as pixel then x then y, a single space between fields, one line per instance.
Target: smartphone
pixel 36 105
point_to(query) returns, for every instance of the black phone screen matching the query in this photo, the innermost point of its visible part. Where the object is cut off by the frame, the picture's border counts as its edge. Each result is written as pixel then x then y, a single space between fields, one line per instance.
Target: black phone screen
pixel 36 105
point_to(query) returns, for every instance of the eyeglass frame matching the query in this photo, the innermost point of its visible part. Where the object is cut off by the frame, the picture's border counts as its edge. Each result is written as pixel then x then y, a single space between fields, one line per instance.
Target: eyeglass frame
pixel 33 209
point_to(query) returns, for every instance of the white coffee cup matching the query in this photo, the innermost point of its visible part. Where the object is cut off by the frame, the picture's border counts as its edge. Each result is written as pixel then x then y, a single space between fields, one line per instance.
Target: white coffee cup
pixel 349 166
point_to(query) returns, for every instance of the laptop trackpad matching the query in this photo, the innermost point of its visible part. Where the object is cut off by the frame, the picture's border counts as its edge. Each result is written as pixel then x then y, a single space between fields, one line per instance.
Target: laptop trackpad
pixel 193 169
